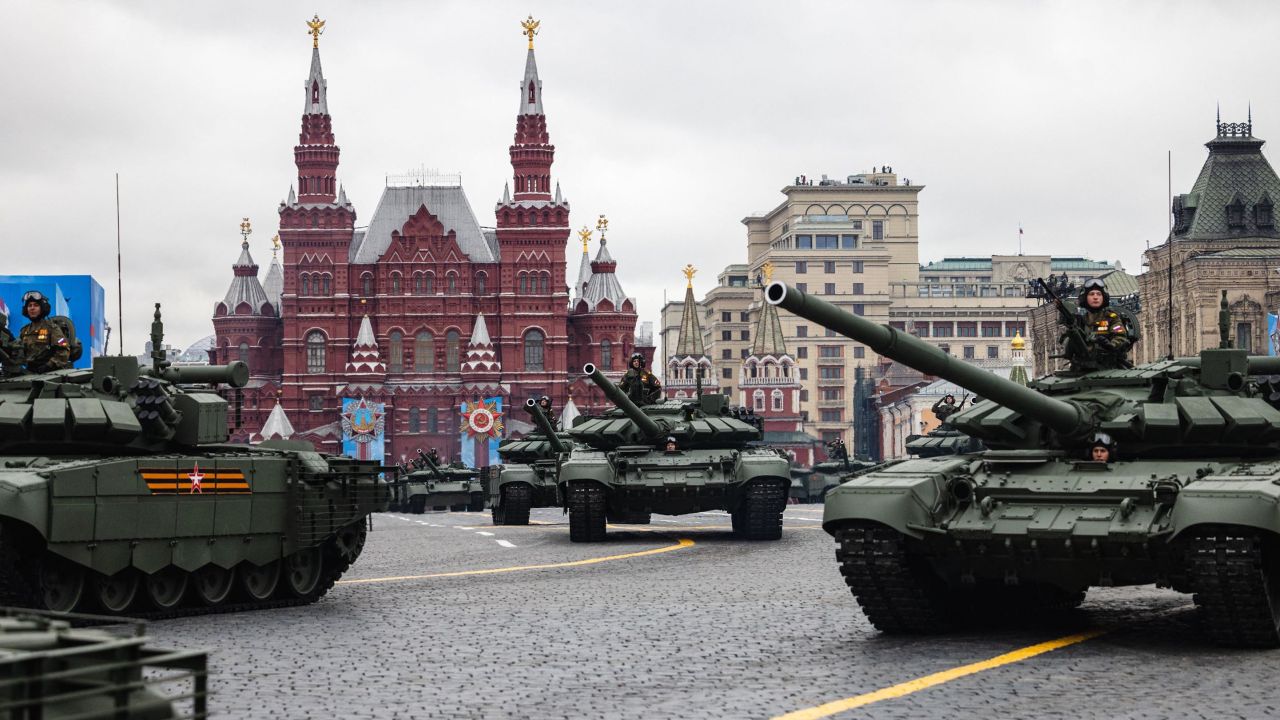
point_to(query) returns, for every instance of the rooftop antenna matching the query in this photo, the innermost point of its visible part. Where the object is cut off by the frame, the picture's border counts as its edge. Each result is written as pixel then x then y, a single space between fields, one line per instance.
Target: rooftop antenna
pixel 119 273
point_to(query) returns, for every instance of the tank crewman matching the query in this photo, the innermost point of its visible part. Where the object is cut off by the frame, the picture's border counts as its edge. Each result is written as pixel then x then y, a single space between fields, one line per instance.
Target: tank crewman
pixel 544 403
pixel 1107 334
pixel 639 384
pixel 945 408
pixel 836 450
pixel 671 445
pixel 1101 449
pixel 434 455
pixel 43 342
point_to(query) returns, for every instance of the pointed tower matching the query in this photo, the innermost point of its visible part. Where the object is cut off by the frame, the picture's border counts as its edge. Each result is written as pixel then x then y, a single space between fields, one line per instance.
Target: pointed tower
pixel 584 267
pixel 277 426
pixel 316 155
pixel 365 358
pixel 769 384
pixel 480 366
pixel 1018 373
pixel 245 324
pixel 603 319
pixel 690 361
pixel 274 285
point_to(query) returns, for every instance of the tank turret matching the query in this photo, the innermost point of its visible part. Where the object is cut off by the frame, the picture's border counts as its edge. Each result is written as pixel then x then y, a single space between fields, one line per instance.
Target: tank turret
pixel 544 425
pixel 647 426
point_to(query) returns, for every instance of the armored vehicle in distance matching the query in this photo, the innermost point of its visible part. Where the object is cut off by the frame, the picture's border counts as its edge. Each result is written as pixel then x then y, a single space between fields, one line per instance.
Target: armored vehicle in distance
pixel 617 468
pixel 451 487
pixel 50 670
pixel 120 494
pixel 527 478
pixel 942 440
pixel 1186 497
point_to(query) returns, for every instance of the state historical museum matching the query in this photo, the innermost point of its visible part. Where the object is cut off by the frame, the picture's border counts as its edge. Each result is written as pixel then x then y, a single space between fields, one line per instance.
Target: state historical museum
pixel 424 309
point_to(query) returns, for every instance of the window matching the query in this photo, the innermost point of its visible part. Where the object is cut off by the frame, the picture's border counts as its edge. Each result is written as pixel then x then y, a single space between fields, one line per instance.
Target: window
pixel 744 317
pixel 804 242
pixel 968 352
pixel 849 242
pixel 744 353
pixel 726 317
pixel 304 285
pixel 395 283
pixel 942 329
pixel 757 401
pixel 802 267
pixel 802 331
pixel 244 353
pixel 826 242
pixel 433 420
pixel 858 309
pixel 966 329
pixel 1235 214
pixel 828 266
pixel 945 348
pixel 804 395
pixel 324 289
pixel 606 354
pixel 424 352
pixel 991 329
pixel 745 335
pixel 726 373
pixel 831 414
pixel 829 288
pixel 453 283
pixel 1015 328
pixel 828 332
pixel 415 420
pixel 832 394
pixel 858 289
pixel 315 352
pixel 830 351
pixel 993 352
pixel 802 352
pixel 417 283
pixel 857 266
pixel 533 358
pixel 315 402
pixel 429 284
pixel 777 400
pixel 524 284
pixel 545 284
pixel 877 229
pixel 726 354
pixel 726 334
pixel 859 352
pixel 830 372
pixel 1262 214
pixel 482 281
pixel 451 340
pixel 396 341
pixel 1244 336
pixel 366 284
pixel 804 375
pixel 802 287
pixel 921 329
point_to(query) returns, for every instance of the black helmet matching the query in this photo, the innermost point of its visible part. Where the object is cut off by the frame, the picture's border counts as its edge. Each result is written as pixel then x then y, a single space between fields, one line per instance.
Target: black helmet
pixel 546 398
pixel 1101 440
pixel 672 439
pixel 38 297
pixel 1094 284
pixel 636 356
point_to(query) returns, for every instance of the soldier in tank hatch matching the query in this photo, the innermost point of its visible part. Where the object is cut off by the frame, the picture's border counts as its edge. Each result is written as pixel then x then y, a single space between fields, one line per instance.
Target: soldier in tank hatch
pixel 43 343
pixel 945 408
pixel 671 445
pixel 639 384
pixel 544 404
pixel 836 450
pixel 1106 334
pixel 1102 448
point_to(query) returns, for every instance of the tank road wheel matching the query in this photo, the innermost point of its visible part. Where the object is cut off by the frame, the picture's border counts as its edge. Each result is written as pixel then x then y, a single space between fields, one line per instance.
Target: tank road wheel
pixel 1236 578
pixel 116 593
pixel 165 587
pixel 477 502
pixel 258 582
pixel 761 511
pixel 61 583
pixel 586 512
pixel 898 592
pixel 213 584
pixel 513 505
pixel 302 571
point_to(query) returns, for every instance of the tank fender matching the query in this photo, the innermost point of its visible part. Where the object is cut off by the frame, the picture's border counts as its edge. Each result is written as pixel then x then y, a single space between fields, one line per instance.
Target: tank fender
pixel 902 496
pixel 25 497
pixel 512 474
pixel 1244 503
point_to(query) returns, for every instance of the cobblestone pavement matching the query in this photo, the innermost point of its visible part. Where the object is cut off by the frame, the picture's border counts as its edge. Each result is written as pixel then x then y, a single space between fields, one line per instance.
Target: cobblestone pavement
pixel 721 628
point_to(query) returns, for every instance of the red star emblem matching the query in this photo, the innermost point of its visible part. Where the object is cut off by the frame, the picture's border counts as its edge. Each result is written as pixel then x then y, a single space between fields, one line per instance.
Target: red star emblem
pixel 195 476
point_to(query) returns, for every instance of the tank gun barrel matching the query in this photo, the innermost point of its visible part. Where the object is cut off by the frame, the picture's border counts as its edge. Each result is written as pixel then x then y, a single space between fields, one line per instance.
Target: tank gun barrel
pixel 1063 417
pixel 647 425
pixel 544 424
pixel 235 374
pixel 426 461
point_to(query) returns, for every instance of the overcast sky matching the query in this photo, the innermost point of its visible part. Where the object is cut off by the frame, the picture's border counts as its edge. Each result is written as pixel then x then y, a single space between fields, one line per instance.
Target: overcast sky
pixel 676 119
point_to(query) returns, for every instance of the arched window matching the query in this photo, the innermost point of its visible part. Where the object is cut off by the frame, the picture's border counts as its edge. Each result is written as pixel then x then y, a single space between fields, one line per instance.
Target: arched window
pixel 315 352
pixel 415 420
pixel 395 283
pixel 758 400
pixel 532 93
pixel 417 283
pixel 545 282
pixel 429 284
pixel 777 401
pixel 451 340
pixel 396 341
pixel 533 350
pixel 524 284
pixel 315 91
pixel 453 283
pixel 424 352
pixel 366 284
pixel 328 289
pixel 304 284
pixel 606 354
pixel 244 353
pixel 481 279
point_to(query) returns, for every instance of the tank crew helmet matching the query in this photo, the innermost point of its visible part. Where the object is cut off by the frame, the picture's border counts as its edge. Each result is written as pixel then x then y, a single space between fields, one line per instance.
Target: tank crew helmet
pixel 671 442
pixel 635 357
pixel 35 296
pixel 1101 440
pixel 1094 284
pixel 545 401
pixel 949 399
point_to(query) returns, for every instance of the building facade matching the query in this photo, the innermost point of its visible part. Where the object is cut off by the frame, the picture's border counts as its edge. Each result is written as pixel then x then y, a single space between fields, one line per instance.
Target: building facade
pixel 424 309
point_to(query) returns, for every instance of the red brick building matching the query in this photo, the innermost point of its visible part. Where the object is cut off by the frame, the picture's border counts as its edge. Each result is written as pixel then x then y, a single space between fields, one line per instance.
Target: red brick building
pixel 424 308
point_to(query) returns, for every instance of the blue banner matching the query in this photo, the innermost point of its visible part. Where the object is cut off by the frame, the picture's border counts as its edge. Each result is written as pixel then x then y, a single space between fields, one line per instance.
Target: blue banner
pixel 363 429
pixel 482 424
pixel 1273 336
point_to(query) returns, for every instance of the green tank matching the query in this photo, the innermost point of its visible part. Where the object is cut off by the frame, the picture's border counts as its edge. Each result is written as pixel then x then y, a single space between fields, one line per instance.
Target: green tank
pixel 52 671
pixel 618 469
pixel 119 493
pixel 452 487
pixel 811 485
pixel 1189 501
pixel 942 440
pixel 527 477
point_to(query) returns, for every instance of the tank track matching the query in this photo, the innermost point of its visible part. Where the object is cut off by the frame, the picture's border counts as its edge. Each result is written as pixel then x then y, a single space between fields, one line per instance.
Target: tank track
pixel 19 587
pixel 761 511
pixel 513 507
pixel 896 594
pixel 1237 591
pixel 586 512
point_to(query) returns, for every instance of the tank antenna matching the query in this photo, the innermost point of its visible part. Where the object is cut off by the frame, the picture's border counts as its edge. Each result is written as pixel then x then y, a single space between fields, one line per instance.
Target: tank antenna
pixel 119 276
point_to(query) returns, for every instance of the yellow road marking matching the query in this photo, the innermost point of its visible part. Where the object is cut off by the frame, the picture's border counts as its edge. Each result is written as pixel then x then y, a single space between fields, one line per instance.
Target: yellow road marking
pixel 680 544
pixel 938 678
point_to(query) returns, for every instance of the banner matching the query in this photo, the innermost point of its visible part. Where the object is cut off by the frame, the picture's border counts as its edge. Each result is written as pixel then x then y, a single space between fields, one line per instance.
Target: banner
pixel 482 425
pixel 363 429
pixel 1273 336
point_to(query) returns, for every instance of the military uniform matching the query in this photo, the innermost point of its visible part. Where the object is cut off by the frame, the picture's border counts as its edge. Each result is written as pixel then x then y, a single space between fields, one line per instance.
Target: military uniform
pixel 1108 339
pixel 44 346
pixel 641 386
pixel 943 410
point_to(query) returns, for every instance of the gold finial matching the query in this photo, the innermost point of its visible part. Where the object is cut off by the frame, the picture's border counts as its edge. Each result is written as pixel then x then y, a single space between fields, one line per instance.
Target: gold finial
pixel 246 230
pixel 767 270
pixel 317 29
pixel 275 245
pixel 689 271
pixel 1017 343
pixel 603 226
pixel 530 28
pixel 585 235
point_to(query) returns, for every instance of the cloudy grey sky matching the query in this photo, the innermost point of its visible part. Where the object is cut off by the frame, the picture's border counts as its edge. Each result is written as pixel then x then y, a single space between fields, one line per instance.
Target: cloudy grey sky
pixel 674 118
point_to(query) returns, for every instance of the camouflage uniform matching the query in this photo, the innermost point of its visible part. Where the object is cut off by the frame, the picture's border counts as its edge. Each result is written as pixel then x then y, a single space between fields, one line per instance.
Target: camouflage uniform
pixel 639 384
pixel 943 409
pixel 1107 332
pixel 44 346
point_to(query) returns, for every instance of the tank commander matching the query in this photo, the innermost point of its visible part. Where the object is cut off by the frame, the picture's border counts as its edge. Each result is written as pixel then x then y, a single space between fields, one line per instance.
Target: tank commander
pixel 945 408
pixel 1098 337
pixel 836 450
pixel 434 456
pixel 544 404
pixel 671 447
pixel 44 345
pixel 639 384
pixel 1100 450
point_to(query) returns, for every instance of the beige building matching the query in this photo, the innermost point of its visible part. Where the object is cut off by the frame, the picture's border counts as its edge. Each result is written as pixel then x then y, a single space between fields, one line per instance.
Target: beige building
pixel 726 321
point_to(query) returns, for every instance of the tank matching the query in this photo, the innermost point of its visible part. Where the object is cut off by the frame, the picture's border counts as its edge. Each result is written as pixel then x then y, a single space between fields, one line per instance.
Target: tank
pixel 1189 501
pixel 618 469
pixel 942 440
pixel 451 487
pixel 53 671
pixel 811 485
pixel 527 476
pixel 120 494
